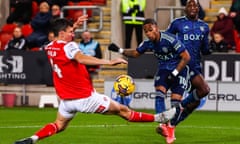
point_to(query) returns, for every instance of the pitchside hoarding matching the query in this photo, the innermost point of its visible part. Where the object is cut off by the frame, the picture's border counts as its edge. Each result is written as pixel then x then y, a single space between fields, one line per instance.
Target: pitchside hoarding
pixel 24 67
pixel 224 96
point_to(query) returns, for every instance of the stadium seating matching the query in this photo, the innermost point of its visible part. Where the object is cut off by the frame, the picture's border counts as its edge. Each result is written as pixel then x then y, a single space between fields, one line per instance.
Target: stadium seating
pixel 73 14
pixel 6 34
pixel 34 8
pixel 8 28
pixel 26 30
pixel 99 2
pixel 237 41
pixel 4 38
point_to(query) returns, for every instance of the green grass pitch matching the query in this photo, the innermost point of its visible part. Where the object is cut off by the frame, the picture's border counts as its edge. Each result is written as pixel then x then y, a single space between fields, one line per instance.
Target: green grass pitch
pixel 200 128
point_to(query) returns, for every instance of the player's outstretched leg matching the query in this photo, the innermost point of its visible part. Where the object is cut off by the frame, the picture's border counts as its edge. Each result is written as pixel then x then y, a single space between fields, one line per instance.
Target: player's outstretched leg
pixel 165 116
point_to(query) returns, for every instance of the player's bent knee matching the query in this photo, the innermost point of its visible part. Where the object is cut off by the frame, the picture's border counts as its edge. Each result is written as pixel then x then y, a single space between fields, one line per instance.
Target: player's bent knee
pixel 114 107
pixel 204 91
pixel 125 112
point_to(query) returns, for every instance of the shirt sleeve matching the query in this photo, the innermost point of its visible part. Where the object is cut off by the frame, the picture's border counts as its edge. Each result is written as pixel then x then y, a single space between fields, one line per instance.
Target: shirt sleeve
pixel 71 49
pixel 144 46
pixel 172 27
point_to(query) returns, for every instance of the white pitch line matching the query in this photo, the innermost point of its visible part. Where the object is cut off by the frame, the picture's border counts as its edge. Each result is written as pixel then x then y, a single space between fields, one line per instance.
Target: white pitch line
pixel 140 125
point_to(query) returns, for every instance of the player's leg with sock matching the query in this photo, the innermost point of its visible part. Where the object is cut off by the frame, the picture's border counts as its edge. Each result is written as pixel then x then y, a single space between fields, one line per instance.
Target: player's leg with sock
pixel 160 101
pixel 186 107
pixel 134 116
pixel 48 130
pixel 168 130
pixel 192 101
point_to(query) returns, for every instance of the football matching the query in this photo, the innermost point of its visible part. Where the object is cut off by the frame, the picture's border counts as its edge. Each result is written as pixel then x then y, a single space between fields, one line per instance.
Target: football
pixel 124 85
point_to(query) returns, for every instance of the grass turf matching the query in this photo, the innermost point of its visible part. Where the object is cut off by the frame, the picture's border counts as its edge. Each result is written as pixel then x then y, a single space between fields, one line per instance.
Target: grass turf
pixel 200 128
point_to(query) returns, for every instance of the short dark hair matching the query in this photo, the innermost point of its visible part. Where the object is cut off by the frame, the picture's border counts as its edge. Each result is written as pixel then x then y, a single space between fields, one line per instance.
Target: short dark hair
pixel 149 21
pixel 60 24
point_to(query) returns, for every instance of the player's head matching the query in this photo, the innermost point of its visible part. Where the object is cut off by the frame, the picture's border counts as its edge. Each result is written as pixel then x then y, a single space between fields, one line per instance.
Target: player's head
pixel 63 29
pixel 192 9
pixel 151 30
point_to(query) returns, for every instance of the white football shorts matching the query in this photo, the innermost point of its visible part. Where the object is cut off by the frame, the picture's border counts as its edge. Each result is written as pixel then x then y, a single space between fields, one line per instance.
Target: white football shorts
pixel 96 103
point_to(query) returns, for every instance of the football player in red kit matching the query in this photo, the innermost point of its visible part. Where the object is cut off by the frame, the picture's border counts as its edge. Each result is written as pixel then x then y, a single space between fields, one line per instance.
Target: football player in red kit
pixel 74 87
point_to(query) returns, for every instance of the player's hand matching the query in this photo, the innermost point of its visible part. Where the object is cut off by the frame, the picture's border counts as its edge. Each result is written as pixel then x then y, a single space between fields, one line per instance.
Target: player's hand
pixel 113 47
pixel 118 61
pixel 80 21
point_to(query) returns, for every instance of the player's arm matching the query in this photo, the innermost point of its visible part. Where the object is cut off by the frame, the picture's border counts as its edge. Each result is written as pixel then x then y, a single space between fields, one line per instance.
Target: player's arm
pixel 126 52
pixel 185 58
pixel 90 60
pixel 73 52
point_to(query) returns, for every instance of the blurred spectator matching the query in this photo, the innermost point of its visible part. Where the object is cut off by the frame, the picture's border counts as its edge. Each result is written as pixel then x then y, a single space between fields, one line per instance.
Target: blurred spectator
pixel 40 25
pixel 6 34
pixel 201 13
pixel 92 48
pixel 51 37
pixel 235 14
pixel 21 11
pixel 133 17
pixel 224 26
pixel 217 44
pixel 56 11
pixel 52 2
pixel 18 42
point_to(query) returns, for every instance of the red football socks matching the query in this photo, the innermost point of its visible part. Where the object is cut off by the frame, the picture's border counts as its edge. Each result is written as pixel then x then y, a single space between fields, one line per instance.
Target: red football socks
pixel 141 117
pixel 46 131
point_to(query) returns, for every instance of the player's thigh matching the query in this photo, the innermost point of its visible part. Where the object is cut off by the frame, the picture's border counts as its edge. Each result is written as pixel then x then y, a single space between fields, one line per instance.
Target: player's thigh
pixel 199 82
pixel 160 80
pixel 201 86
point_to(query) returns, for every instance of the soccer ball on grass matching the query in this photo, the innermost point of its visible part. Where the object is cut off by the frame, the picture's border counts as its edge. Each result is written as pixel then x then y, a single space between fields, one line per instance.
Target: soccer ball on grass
pixel 124 85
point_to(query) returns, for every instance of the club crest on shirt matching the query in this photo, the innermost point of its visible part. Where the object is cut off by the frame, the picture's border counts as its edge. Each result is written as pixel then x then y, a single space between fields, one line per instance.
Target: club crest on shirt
pixel 165 49
pixel 186 28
